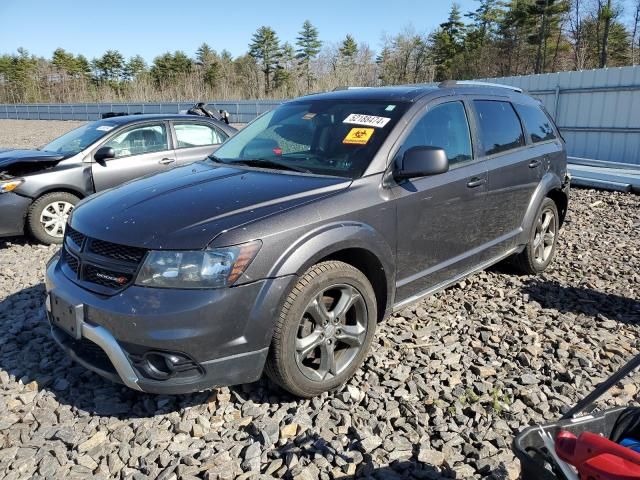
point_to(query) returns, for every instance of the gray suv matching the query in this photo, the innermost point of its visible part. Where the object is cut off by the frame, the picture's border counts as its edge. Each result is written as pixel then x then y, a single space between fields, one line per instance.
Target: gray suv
pixel 39 188
pixel 282 252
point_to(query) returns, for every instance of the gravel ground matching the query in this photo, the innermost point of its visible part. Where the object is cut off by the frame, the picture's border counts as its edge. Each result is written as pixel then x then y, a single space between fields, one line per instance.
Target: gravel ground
pixel 32 133
pixel 447 385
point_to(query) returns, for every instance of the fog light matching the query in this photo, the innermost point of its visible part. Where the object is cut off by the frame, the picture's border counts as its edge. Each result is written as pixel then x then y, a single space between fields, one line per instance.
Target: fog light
pixel 165 365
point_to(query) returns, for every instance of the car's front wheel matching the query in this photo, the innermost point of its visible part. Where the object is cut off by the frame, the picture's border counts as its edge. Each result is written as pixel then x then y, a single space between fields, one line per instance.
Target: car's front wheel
pixel 324 330
pixel 48 216
pixel 541 247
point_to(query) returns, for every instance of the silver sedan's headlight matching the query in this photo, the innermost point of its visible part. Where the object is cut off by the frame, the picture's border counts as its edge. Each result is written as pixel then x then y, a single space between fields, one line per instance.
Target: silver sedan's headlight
pixel 10 185
pixel 214 268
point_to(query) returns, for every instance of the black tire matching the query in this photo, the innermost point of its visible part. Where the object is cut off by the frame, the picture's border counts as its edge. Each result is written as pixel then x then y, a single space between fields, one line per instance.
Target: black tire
pixel 330 281
pixel 530 261
pixel 37 209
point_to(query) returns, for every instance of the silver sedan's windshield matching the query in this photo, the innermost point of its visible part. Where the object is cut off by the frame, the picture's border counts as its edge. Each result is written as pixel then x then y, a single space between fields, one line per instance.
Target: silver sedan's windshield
pixel 324 137
pixel 77 140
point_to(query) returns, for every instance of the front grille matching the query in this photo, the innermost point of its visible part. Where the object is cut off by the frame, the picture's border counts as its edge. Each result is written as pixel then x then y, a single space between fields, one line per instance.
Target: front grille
pixel 106 278
pixel 75 236
pixel 118 252
pixel 97 265
pixel 71 261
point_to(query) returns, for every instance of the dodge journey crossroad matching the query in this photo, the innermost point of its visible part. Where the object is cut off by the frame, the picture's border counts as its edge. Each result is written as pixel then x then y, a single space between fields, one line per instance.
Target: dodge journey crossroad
pixel 282 251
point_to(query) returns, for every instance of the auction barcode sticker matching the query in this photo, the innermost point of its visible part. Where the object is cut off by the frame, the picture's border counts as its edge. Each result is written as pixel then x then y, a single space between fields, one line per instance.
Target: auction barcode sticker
pixel 368 120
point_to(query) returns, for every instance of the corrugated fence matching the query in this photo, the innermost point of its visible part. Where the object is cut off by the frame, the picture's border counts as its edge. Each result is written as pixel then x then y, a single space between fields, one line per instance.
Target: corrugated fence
pixel 598 111
pixel 242 111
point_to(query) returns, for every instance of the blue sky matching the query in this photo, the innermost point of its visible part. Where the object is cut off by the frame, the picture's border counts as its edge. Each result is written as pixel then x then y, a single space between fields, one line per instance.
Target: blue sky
pixel 152 27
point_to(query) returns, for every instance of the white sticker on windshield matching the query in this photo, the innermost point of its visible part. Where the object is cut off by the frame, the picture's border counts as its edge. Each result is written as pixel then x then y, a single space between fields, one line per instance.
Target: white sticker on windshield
pixel 368 120
pixel 104 128
pixel 390 108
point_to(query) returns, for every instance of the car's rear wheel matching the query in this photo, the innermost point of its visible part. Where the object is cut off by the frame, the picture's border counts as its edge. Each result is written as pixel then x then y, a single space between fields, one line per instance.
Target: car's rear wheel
pixel 48 216
pixel 324 330
pixel 541 247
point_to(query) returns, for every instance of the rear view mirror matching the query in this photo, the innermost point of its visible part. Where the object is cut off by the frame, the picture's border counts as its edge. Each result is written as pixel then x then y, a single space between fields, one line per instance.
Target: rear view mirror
pixel 103 154
pixel 421 162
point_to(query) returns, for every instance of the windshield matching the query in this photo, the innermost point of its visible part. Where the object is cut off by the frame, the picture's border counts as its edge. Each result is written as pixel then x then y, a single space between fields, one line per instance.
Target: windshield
pixel 77 140
pixel 324 137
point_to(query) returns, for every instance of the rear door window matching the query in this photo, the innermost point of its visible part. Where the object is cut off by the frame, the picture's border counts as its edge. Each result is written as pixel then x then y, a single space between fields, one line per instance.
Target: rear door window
pixel 536 122
pixel 444 126
pixel 195 135
pixel 500 128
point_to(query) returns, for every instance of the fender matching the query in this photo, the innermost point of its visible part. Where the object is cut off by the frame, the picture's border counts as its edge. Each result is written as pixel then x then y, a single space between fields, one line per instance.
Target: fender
pixel 70 178
pixel 331 238
pixel 550 181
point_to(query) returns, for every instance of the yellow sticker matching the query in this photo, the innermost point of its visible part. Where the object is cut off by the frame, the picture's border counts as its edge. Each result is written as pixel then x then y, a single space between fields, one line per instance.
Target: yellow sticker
pixel 358 136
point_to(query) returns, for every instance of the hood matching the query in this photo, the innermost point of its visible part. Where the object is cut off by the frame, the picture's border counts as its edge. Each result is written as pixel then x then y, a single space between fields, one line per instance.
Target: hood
pixel 189 206
pixel 9 157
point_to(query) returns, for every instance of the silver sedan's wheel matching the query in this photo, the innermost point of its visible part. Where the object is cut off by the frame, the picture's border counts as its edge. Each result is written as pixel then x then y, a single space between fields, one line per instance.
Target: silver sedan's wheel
pixel 331 333
pixel 54 217
pixel 48 216
pixel 324 329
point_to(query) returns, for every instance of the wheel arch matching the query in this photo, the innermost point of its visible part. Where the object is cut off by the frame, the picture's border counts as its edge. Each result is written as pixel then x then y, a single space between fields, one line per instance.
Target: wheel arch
pixel 561 200
pixel 353 243
pixel 549 184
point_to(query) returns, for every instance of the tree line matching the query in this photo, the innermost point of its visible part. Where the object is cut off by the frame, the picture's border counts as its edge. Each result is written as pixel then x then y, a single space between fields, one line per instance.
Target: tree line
pixel 497 38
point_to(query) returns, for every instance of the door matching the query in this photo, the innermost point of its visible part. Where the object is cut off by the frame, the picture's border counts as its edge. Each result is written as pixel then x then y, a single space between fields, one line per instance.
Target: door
pixel 514 170
pixel 140 150
pixel 196 141
pixel 439 218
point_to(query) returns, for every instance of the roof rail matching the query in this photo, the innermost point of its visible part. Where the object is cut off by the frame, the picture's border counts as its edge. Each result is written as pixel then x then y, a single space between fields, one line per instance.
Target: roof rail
pixel 473 83
pixel 347 87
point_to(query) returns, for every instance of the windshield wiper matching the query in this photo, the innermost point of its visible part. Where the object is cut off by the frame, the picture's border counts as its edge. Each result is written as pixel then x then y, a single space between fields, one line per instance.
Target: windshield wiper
pixel 266 163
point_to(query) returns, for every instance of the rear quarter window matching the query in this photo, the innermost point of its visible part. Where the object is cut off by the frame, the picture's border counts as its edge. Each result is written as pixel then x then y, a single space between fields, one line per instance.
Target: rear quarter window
pixel 536 122
pixel 499 126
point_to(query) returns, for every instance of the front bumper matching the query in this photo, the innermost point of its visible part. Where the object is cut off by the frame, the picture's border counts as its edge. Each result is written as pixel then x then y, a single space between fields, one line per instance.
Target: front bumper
pixel 225 333
pixel 13 212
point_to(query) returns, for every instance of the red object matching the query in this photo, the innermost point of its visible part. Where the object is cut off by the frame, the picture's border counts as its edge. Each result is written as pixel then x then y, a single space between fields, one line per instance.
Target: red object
pixel 277 151
pixel 598 458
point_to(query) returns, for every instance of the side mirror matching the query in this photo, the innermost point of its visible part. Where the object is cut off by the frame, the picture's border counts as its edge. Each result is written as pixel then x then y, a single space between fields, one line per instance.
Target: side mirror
pixel 421 162
pixel 103 154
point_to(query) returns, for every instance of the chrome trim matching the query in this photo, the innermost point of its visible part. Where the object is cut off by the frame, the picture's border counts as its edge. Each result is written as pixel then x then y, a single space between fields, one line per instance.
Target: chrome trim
pixel 441 286
pixel 101 337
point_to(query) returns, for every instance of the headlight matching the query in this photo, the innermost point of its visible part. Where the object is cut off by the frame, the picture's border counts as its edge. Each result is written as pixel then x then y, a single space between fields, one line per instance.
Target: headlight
pixel 215 268
pixel 10 185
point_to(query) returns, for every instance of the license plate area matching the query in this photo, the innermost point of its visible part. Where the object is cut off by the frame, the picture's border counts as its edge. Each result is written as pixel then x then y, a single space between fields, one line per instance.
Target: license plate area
pixel 66 316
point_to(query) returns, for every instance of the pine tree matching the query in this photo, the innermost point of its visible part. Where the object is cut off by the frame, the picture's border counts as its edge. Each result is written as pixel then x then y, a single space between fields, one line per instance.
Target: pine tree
pixel 265 49
pixel 309 45
pixel 348 48
pixel 205 55
pixel 135 67
pixel 547 14
pixel 447 42
pixel 110 66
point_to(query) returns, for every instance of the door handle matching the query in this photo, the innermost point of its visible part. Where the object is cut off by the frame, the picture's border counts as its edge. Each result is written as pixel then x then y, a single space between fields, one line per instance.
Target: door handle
pixel 166 161
pixel 476 182
pixel 535 163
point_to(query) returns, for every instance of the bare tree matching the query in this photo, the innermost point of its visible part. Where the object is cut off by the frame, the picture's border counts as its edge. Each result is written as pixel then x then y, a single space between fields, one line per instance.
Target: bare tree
pixel 635 43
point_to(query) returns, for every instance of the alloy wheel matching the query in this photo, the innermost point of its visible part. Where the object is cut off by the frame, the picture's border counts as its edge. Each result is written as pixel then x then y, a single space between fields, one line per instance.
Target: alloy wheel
pixel 331 332
pixel 545 236
pixel 54 218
